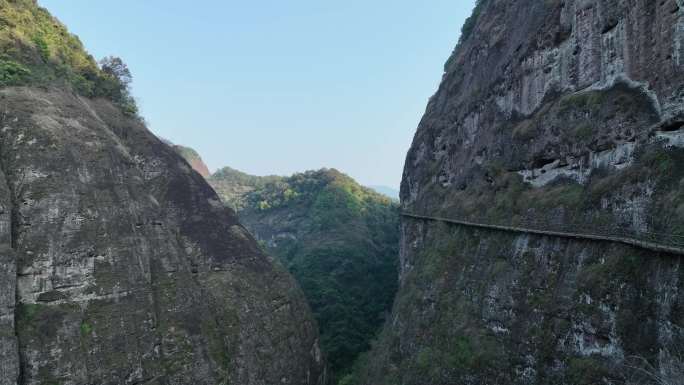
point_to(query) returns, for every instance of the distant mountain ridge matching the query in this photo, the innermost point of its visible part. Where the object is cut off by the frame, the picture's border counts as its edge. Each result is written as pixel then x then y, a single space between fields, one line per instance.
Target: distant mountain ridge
pixel 233 185
pixel 338 238
pixel 386 190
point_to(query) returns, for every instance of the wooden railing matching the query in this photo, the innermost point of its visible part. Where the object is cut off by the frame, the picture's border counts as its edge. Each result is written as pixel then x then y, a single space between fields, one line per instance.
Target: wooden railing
pixel 665 243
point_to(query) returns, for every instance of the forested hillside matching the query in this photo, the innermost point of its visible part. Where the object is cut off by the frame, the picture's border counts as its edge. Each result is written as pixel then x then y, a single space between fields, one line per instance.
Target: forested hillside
pixel 339 240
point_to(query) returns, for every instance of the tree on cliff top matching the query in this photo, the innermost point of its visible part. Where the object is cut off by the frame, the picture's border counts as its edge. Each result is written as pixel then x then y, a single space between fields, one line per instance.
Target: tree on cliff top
pixel 116 67
pixel 118 86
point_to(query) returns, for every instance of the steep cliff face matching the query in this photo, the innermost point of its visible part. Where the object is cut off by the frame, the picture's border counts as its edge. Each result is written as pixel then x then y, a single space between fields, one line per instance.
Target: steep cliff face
pixel 552 114
pixel 118 263
pixel 128 267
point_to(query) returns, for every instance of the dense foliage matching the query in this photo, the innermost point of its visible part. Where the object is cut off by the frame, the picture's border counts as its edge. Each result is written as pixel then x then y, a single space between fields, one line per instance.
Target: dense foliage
pixel 340 241
pixel 233 186
pixel 36 49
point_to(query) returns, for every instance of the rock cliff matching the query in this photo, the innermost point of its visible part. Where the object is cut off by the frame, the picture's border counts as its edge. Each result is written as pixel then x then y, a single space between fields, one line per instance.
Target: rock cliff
pixel 551 114
pixel 118 263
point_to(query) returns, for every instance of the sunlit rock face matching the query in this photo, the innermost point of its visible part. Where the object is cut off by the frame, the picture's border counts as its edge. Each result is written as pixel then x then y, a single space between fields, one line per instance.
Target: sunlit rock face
pixel 564 114
pixel 125 266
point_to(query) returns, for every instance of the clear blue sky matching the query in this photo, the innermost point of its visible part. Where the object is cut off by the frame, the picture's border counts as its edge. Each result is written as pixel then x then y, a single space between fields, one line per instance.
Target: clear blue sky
pixel 277 87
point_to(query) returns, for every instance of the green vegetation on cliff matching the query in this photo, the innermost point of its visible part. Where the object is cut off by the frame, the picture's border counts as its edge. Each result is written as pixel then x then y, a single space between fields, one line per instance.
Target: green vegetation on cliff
pixel 185 296
pixel 339 240
pixel 233 186
pixel 36 49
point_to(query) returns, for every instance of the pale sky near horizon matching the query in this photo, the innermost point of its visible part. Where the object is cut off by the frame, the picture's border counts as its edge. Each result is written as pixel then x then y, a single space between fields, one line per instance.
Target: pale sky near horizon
pixel 277 87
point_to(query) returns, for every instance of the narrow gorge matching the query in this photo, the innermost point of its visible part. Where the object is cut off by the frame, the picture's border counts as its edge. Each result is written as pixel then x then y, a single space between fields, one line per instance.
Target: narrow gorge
pixel 338 239
pixel 538 239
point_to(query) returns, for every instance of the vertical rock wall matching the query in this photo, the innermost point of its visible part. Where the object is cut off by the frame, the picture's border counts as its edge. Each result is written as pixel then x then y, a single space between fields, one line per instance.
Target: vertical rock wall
pixel 9 351
pixel 561 114
pixel 129 269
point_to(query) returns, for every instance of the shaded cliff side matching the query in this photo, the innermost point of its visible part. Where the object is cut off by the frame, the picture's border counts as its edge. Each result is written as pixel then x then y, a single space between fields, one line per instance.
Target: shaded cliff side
pixel 550 114
pixel 118 263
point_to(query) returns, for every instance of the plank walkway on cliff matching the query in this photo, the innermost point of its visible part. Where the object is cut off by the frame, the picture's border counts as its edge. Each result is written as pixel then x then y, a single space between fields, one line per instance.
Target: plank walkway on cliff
pixel 662 243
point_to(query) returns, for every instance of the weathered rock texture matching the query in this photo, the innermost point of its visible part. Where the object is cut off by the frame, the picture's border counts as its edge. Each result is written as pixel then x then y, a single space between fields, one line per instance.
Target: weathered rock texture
pixel 568 113
pixel 128 268
pixel 9 353
pixel 118 262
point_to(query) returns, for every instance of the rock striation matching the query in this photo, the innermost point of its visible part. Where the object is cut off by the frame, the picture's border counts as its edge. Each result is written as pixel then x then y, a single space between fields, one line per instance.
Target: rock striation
pixel 551 113
pixel 128 268
pixel 118 263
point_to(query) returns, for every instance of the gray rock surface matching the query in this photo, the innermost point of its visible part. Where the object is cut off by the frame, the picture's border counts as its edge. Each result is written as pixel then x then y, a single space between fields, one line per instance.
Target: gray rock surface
pixel 126 267
pixel 9 353
pixel 564 113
